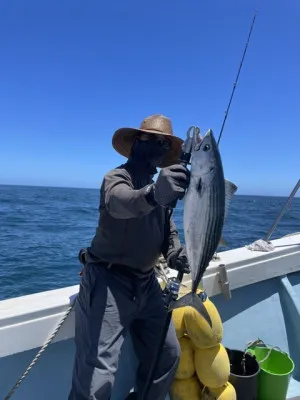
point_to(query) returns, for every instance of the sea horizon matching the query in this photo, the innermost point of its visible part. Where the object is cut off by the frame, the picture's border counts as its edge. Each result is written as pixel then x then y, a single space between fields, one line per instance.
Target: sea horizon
pixel 97 188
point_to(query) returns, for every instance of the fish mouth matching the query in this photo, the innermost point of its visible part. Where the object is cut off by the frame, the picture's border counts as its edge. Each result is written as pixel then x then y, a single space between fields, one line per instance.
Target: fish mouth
pixel 208 133
pixel 197 145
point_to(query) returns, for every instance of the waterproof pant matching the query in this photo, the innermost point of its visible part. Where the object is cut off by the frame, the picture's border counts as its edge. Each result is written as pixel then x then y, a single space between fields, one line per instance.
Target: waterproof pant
pixel 109 305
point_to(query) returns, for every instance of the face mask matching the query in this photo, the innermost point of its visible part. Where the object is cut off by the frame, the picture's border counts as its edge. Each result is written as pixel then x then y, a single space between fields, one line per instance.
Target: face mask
pixel 148 152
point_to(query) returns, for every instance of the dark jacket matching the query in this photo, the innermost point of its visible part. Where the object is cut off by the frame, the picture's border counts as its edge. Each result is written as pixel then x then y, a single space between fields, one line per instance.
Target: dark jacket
pixel 130 230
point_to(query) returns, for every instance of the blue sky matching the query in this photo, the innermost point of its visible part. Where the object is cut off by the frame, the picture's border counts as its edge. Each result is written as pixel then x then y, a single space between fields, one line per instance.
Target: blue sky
pixel 72 72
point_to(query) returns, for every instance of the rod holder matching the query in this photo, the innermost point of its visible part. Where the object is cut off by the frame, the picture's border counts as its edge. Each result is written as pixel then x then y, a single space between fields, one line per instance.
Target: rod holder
pixel 223 281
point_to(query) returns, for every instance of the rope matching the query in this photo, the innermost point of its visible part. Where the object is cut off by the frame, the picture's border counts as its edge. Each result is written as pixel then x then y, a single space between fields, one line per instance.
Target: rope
pixel 260 245
pixel 34 361
pixel 261 343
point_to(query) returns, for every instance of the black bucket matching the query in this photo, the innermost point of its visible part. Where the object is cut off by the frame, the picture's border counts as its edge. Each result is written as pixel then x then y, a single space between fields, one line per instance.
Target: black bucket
pixel 244 380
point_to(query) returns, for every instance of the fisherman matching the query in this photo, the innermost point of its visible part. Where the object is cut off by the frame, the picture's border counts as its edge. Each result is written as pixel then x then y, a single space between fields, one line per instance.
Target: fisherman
pixel 119 292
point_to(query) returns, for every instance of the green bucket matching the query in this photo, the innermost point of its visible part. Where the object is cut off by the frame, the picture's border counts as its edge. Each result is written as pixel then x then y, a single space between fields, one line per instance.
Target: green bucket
pixel 276 369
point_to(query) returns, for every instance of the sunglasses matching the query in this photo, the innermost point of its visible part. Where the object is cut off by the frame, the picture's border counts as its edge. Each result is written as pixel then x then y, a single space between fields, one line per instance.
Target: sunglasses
pixel 164 143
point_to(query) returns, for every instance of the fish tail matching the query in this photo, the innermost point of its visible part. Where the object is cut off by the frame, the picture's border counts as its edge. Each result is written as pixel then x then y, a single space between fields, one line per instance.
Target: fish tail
pixel 193 300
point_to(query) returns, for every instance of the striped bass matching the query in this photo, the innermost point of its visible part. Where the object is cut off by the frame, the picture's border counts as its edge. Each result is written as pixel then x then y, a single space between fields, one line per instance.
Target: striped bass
pixel 203 216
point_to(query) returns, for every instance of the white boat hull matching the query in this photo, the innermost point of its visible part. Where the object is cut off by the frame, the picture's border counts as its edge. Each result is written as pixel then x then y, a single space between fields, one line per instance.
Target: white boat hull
pixel 265 304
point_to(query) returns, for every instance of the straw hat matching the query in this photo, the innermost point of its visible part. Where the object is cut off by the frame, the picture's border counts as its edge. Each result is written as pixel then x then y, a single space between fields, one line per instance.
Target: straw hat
pixel 156 124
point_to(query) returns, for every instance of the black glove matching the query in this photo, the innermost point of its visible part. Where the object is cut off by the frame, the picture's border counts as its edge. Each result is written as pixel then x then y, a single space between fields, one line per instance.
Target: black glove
pixel 171 184
pixel 179 261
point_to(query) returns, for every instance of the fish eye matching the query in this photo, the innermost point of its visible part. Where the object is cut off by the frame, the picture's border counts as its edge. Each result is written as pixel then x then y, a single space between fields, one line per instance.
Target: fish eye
pixel 206 147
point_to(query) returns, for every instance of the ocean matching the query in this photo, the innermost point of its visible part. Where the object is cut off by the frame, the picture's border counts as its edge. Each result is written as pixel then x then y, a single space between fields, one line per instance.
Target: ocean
pixel 42 230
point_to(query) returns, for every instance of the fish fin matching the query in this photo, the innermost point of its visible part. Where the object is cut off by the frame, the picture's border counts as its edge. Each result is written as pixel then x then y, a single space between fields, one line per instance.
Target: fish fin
pixel 223 242
pixel 230 188
pixel 193 300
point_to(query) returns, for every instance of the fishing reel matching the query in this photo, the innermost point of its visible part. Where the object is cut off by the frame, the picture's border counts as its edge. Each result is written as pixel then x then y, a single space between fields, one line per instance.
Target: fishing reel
pixel 171 291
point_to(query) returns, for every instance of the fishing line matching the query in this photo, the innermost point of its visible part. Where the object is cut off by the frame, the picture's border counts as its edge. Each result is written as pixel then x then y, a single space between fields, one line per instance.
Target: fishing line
pixel 237 77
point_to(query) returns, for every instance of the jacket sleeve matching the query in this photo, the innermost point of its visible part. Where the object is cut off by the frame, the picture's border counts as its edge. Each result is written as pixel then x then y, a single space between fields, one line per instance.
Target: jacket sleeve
pixel 122 201
pixel 173 244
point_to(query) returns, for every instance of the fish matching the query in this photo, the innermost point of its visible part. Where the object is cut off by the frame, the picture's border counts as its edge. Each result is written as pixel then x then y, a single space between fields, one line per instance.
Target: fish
pixel 230 189
pixel 203 216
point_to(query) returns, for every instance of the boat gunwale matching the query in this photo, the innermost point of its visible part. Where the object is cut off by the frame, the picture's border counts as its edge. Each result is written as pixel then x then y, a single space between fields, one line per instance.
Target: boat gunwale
pixel 40 312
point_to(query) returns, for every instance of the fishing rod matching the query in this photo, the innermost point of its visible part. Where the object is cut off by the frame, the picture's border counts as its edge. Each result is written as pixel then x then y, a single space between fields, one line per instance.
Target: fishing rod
pixel 233 187
pixel 284 208
pixel 237 78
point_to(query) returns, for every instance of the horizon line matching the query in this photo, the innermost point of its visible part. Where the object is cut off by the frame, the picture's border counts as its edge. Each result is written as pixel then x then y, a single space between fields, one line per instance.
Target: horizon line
pixel 94 188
